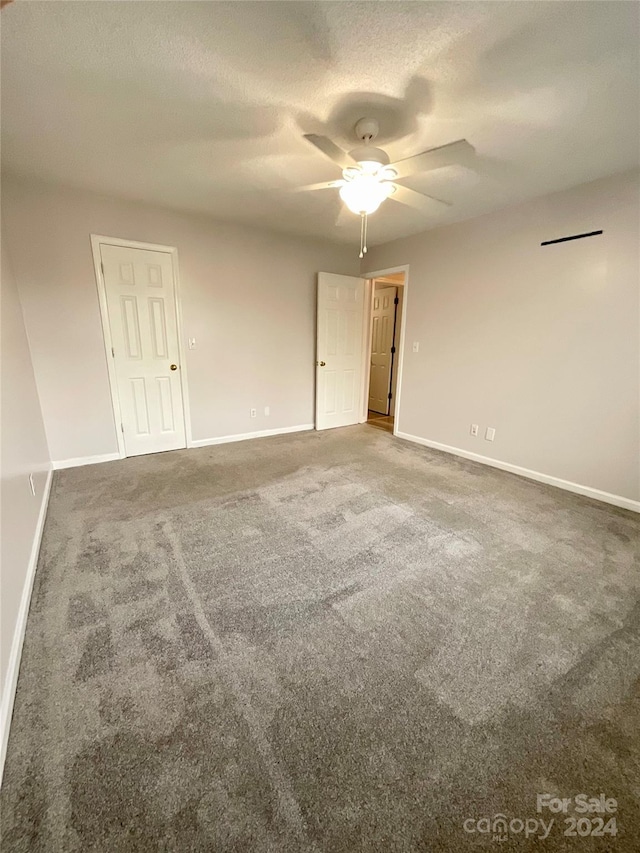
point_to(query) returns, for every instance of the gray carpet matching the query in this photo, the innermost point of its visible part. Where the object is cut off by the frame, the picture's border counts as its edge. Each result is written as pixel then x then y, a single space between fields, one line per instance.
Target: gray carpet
pixel 323 642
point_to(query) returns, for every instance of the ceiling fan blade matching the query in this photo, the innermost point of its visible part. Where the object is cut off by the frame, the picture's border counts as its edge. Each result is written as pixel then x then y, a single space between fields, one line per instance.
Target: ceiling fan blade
pixel 330 149
pixel 419 201
pixel 460 153
pixel 323 185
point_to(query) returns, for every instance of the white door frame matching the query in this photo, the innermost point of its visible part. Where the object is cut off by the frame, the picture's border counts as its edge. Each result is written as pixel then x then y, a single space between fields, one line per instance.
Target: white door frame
pixel 96 241
pixel 366 355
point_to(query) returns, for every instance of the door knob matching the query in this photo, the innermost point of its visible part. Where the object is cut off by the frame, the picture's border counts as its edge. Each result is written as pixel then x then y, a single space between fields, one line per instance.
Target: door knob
pixel 173 367
pixel 321 363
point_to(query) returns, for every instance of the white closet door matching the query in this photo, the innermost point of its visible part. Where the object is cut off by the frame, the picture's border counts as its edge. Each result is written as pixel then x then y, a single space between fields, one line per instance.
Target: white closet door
pixel 140 289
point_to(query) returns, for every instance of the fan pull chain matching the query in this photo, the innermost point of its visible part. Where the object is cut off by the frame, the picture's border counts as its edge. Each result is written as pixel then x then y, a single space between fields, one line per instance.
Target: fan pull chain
pixel 363 235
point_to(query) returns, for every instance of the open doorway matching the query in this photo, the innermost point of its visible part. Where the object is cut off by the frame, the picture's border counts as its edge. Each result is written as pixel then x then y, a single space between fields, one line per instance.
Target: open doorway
pixel 387 299
pixel 347 307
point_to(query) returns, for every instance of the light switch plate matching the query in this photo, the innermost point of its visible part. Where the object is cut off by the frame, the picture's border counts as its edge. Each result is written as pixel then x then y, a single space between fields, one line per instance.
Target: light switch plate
pixel 416 346
pixel 490 434
pixel 192 343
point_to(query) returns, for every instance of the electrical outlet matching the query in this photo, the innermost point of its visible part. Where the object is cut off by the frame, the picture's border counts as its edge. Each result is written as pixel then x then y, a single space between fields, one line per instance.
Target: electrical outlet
pixel 266 411
pixel 32 485
pixel 416 346
pixel 474 429
pixel 490 434
pixel 253 413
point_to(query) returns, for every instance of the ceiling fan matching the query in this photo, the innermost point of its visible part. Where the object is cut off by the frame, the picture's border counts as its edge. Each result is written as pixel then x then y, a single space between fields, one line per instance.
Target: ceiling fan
pixel 368 178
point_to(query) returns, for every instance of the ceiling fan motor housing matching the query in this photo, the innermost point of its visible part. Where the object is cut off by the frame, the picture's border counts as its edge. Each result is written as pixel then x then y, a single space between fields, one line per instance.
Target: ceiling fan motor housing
pixel 368 154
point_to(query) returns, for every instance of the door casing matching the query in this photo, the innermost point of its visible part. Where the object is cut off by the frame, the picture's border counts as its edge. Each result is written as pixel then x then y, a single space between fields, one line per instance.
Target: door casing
pixel 96 241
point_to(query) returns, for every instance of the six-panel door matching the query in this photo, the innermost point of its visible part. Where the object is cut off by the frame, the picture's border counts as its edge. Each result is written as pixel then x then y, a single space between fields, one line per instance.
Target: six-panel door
pixel 382 329
pixel 140 290
pixel 339 350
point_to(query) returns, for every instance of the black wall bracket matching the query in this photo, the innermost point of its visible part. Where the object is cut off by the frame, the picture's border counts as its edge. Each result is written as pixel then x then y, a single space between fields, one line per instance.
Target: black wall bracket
pixel 573 237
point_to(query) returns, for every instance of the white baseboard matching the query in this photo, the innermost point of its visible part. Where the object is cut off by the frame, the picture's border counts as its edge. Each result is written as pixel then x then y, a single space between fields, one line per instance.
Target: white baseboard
pixel 227 439
pixel 13 667
pixel 199 442
pixel 577 488
pixel 85 460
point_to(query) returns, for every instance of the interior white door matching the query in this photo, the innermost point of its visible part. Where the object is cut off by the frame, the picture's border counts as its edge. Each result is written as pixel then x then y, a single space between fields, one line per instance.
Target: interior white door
pixel 339 364
pixel 382 328
pixel 140 291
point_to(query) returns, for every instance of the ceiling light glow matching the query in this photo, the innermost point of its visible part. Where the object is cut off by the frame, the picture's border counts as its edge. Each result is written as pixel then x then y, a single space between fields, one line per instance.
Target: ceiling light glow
pixel 365 194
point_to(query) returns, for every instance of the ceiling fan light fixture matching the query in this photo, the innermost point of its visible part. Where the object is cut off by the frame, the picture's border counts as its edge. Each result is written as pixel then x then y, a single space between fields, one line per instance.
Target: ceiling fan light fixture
pixel 364 194
pixel 368 176
pixel 350 173
pixel 369 167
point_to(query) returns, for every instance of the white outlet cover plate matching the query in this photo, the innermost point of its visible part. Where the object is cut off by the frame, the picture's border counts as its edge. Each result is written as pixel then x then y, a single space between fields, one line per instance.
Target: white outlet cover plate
pixel 490 434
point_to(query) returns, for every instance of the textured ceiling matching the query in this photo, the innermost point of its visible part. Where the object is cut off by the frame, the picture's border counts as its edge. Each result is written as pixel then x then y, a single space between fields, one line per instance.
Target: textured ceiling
pixel 202 105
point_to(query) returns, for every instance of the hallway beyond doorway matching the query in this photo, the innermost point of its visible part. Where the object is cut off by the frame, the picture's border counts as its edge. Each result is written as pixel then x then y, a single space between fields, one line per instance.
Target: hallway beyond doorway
pixel 387 302
pixel 375 419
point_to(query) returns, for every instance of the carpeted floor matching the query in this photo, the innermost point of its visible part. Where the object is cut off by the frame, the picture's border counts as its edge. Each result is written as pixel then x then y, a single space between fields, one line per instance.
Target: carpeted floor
pixel 323 642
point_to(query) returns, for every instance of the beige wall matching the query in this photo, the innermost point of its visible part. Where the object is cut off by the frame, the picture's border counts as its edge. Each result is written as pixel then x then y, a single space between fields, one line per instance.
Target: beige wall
pixel 23 451
pixel 248 297
pixel 542 343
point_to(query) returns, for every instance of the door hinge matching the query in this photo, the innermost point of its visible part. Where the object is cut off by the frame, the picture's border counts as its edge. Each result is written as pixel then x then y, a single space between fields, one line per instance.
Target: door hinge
pixel 393 350
pixel 389 394
pixel 396 300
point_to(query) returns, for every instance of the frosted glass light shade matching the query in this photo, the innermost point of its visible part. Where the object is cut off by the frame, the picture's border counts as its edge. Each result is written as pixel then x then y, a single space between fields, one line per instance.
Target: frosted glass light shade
pixel 364 194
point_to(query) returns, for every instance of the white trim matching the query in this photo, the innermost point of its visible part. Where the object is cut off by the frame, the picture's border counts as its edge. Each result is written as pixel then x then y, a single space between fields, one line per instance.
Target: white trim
pixel 200 442
pixel 106 335
pixel 85 460
pixel 403 326
pixel 186 408
pixel 131 244
pixel 227 439
pixel 13 667
pixel 96 241
pixel 369 287
pixel 577 488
